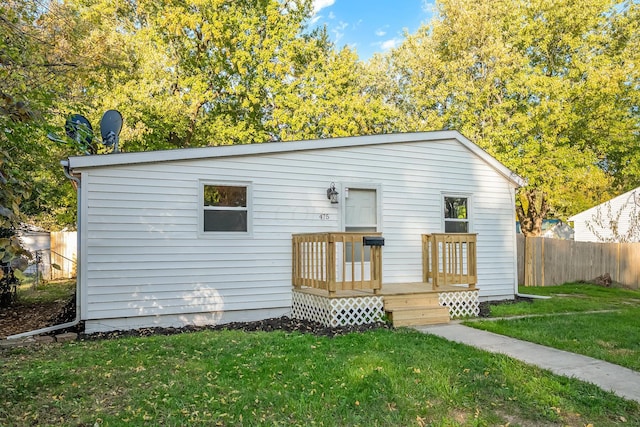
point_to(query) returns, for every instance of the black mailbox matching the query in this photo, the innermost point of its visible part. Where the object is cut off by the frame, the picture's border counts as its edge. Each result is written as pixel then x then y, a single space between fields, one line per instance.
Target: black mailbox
pixel 373 241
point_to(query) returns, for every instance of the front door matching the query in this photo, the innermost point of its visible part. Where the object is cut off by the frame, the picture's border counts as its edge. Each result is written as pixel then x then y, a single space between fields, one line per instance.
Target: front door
pixel 361 210
pixel 361 215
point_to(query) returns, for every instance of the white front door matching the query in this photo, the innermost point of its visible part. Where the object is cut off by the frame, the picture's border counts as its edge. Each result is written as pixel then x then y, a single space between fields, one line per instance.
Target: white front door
pixel 361 215
pixel 361 210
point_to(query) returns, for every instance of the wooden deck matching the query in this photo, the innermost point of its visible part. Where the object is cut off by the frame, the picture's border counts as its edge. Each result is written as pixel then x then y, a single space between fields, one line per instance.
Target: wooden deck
pixel 337 269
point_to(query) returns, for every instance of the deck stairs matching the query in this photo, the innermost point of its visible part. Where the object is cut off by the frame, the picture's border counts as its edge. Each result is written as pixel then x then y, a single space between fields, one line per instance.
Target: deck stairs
pixel 415 309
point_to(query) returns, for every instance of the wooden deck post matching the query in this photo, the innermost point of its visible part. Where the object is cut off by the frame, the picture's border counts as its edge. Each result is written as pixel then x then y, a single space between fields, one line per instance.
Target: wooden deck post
pixel 331 265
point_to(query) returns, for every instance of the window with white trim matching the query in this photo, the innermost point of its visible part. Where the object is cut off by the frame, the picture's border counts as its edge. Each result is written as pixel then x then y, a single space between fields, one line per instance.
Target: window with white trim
pixel 225 208
pixel 456 214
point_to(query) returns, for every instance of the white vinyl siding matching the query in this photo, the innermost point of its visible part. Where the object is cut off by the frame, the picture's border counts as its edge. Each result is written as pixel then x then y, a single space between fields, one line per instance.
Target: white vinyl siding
pixel 623 210
pixel 143 255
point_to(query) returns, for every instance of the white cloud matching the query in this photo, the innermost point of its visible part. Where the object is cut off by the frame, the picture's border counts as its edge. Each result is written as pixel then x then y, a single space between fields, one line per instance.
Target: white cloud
pixel 332 15
pixel 315 19
pixel 429 6
pixel 338 31
pixel 318 5
pixel 390 44
pixel 381 31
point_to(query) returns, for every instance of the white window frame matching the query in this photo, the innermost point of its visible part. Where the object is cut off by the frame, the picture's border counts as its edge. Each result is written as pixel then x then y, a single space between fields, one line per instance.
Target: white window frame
pixel 202 208
pixel 469 219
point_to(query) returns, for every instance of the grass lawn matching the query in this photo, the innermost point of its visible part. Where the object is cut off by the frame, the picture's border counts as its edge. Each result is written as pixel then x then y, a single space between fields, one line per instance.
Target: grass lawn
pixel 45 293
pixel 612 336
pixel 382 377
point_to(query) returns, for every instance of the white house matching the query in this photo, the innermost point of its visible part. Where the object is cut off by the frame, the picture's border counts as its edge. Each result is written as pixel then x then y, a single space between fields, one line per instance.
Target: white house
pixel 204 235
pixel 616 220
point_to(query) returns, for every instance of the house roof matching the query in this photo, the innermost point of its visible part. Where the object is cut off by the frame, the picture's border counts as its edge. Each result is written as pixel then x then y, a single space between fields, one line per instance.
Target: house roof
pixel 593 211
pixel 117 159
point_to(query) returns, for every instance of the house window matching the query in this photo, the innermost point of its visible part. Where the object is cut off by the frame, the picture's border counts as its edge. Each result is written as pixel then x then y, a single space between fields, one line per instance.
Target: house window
pixel 456 214
pixel 225 208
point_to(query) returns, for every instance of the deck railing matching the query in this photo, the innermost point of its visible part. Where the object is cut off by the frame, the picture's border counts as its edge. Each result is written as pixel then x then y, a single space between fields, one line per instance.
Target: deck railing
pixel 449 259
pixel 336 262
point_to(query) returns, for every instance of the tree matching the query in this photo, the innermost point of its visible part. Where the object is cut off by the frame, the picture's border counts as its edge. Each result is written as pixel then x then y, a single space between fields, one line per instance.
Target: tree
pixel 325 95
pixel 550 89
pixel 36 71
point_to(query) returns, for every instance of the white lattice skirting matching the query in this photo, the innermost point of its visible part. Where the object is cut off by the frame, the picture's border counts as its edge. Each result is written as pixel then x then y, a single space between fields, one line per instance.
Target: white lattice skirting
pixel 461 304
pixel 337 311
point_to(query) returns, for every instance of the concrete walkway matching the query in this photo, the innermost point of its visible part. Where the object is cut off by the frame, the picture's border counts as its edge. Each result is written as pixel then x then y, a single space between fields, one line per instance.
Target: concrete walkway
pixel 622 381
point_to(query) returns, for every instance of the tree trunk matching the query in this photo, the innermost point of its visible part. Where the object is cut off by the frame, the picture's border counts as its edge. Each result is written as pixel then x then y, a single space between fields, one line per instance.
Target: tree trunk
pixel 531 210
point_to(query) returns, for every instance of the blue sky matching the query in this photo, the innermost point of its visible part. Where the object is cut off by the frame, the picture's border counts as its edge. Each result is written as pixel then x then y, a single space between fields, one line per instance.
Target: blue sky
pixel 371 26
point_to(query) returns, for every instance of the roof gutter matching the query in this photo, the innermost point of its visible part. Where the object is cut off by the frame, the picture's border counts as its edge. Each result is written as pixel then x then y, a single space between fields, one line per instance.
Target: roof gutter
pixel 76 184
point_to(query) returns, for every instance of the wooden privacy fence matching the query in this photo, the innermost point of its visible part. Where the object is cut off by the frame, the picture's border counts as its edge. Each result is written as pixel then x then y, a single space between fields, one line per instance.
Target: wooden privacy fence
pixel 64 254
pixel 449 259
pixel 545 262
pixel 336 262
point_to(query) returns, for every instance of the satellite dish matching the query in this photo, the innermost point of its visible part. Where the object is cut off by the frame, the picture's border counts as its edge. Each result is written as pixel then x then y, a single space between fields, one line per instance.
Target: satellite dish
pixel 110 127
pixel 79 129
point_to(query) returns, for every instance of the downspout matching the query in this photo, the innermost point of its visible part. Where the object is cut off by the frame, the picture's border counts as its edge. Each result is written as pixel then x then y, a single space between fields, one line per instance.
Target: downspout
pixel 515 240
pixel 77 184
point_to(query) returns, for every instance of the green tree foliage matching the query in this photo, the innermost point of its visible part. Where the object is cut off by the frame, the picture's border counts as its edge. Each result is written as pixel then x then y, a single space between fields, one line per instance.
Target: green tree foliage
pixel 549 88
pixel 206 72
pixel 326 96
pixel 35 73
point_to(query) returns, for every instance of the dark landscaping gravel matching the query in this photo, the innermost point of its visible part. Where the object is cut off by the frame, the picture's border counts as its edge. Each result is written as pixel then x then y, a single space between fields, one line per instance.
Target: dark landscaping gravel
pixel 284 323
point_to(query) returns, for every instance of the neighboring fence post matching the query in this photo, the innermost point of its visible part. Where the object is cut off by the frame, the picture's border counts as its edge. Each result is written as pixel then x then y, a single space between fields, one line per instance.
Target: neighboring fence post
pixel 542 261
pixel 528 261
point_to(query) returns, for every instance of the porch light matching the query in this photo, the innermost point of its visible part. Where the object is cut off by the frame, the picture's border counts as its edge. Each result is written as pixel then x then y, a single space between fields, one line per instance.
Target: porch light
pixel 332 194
